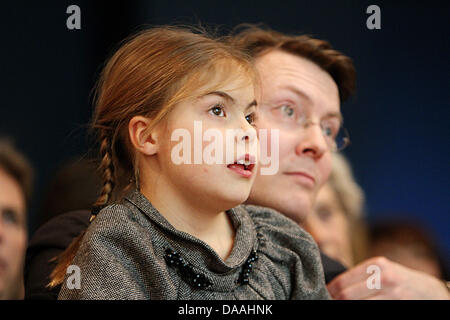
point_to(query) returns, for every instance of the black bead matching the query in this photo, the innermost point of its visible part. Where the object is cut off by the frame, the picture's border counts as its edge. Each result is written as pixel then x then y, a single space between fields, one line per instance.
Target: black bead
pixel 187 272
pixel 247 268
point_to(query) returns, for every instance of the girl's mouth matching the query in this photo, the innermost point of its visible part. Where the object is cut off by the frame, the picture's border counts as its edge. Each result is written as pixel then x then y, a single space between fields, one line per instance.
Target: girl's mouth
pixel 243 166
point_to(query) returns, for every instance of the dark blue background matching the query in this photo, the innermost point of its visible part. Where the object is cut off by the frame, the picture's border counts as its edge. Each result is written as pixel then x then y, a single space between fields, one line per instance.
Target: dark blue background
pixel 398 121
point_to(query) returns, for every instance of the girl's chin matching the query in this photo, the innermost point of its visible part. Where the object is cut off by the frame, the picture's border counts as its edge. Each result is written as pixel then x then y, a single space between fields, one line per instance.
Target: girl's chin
pixel 232 199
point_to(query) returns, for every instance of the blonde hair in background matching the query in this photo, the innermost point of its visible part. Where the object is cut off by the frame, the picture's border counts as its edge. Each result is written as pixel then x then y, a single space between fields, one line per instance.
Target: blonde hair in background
pixel 352 200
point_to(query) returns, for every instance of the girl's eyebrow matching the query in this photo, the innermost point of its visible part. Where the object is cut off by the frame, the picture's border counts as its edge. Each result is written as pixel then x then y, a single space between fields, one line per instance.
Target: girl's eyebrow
pixel 251 104
pixel 223 95
pixel 230 98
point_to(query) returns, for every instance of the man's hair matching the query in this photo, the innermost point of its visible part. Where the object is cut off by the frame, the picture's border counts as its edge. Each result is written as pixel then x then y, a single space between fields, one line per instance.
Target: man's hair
pixel 257 41
pixel 16 166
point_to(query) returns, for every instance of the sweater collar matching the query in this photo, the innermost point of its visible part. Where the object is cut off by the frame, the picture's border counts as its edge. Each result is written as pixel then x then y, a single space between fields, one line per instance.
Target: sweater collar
pixel 196 251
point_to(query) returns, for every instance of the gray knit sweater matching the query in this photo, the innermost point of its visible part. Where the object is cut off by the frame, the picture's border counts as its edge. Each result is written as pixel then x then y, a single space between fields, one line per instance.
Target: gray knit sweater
pixel 130 251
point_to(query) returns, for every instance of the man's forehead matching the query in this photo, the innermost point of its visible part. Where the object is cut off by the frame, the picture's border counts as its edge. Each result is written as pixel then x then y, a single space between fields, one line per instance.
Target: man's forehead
pixel 284 72
pixel 11 194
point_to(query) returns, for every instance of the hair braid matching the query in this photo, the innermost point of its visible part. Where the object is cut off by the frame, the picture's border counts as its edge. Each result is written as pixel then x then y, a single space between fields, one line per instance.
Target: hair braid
pixel 107 172
pixel 107 169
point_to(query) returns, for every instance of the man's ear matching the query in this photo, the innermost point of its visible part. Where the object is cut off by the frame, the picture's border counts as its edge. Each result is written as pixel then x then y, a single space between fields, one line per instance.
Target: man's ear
pixel 143 140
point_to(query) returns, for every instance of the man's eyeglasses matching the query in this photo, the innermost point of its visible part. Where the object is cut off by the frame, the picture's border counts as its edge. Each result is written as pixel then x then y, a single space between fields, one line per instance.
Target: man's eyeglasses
pixel 291 116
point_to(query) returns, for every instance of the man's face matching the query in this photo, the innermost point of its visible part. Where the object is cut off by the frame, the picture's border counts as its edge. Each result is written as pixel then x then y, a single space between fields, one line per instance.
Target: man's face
pixel 13 236
pixel 294 88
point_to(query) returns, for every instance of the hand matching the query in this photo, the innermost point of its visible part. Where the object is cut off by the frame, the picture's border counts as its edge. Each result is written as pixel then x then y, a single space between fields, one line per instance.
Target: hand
pixel 397 282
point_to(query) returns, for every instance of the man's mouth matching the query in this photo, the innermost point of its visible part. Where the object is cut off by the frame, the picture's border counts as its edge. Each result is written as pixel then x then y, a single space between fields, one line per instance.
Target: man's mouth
pixel 302 177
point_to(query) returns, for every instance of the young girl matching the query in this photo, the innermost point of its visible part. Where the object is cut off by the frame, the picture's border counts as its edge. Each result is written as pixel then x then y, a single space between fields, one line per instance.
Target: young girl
pixel 172 230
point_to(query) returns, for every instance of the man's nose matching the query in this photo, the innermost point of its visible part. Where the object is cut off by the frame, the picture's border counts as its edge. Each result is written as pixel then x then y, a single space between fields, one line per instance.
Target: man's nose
pixel 311 142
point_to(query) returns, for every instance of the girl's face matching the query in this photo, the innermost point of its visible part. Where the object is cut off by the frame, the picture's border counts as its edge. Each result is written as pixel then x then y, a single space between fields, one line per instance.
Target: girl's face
pixel 204 158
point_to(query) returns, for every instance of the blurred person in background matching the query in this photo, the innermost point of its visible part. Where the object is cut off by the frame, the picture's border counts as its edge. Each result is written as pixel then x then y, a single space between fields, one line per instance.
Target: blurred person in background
pixel 338 225
pixel 337 221
pixel 74 186
pixel 409 244
pixel 64 214
pixel 15 192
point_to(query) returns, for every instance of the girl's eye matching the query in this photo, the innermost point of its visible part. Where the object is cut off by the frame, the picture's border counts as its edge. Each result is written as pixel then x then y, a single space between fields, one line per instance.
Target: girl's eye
pixel 287 110
pixel 217 110
pixel 250 118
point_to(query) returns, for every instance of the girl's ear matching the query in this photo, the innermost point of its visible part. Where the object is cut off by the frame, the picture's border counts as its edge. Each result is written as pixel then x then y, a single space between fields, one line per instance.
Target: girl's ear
pixel 143 140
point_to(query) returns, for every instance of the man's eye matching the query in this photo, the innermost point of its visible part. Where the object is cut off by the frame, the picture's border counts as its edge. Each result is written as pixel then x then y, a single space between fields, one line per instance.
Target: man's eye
pixel 329 130
pixel 217 110
pixel 287 110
